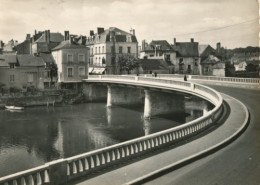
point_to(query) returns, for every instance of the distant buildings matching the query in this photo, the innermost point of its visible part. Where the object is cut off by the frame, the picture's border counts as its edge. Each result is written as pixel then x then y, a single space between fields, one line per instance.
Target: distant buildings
pixel 72 62
pixel 106 46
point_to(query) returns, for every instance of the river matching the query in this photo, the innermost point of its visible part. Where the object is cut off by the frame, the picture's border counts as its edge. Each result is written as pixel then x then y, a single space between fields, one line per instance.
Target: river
pixel 36 135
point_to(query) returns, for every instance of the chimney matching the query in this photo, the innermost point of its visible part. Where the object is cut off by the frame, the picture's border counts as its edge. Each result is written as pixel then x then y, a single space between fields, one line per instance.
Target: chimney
pixel 192 40
pixel 91 33
pixel 143 45
pixel 100 30
pixel 28 36
pixel 35 32
pixel 48 38
pixel 132 31
pixel 218 47
pixel 45 36
pixel 174 40
pixel 66 35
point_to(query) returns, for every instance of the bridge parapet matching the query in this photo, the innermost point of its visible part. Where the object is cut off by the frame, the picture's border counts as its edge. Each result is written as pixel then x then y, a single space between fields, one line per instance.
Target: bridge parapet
pixel 65 170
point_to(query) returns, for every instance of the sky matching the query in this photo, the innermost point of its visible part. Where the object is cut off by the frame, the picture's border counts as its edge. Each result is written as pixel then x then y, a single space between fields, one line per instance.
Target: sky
pixel 234 23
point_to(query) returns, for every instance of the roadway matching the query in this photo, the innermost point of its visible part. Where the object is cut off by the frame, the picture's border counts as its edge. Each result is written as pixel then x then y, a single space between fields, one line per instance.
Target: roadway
pixel 236 164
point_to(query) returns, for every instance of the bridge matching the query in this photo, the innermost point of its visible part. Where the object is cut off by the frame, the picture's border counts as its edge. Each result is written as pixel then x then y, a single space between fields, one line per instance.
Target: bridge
pixel 65 170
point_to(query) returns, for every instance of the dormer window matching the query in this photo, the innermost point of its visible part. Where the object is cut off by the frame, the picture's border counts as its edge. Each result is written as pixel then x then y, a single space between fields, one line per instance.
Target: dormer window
pixel 11 65
pixel 128 38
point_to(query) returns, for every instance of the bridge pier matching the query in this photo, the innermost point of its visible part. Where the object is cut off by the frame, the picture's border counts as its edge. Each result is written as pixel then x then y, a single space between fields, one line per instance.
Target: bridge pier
pixel 94 92
pixel 123 96
pixel 158 103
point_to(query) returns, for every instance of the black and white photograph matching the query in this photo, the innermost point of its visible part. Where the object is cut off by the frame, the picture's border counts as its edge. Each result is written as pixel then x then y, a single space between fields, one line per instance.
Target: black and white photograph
pixel 129 92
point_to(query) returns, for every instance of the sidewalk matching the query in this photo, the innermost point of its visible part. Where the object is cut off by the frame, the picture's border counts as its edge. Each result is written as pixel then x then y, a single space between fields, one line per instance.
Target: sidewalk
pixel 150 166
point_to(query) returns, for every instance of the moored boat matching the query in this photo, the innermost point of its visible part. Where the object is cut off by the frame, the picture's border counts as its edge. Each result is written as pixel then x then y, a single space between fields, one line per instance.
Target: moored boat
pixel 14 107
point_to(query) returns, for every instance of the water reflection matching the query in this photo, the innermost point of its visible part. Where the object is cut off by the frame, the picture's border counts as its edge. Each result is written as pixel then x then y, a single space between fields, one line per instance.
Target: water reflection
pixel 39 134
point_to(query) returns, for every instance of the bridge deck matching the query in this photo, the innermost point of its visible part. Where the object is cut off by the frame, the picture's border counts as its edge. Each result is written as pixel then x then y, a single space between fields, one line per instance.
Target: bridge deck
pixel 234 123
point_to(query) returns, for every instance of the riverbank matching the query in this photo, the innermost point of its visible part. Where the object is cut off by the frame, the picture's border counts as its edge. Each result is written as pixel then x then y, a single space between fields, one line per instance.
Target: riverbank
pixel 42 98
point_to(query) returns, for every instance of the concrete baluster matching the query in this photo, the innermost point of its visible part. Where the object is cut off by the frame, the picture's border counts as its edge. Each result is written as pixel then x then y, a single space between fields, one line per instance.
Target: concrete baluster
pixel 97 160
pixel 118 153
pixel 86 164
pixel 127 151
pixel 80 166
pixel 163 139
pixel 113 155
pixel 103 161
pixel 148 144
pixel 74 166
pixel 140 146
pixel 160 140
pixel 144 144
pixel 167 138
pixel 15 182
pixel 68 169
pixel 31 181
pixel 170 136
pixel 156 141
pixel 108 157
pixel 173 136
pixel 123 152
pixel 23 182
pixel 132 149
pixel 46 176
pixel 152 143
pixel 92 164
pixel 39 179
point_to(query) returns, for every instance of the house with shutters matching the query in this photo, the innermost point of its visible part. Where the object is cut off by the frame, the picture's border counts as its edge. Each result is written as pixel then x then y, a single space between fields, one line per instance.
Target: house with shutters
pixel 106 46
pixel 71 59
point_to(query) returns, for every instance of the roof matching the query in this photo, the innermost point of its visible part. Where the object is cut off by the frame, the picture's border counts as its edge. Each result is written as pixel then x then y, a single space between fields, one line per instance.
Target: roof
pixel 120 36
pixel 202 48
pixel 211 59
pixel 153 64
pixel 67 44
pixel 54 37
pixel 30 61
pixel 164 45
pixel 47 58
pixel 186 49
pixel 8 59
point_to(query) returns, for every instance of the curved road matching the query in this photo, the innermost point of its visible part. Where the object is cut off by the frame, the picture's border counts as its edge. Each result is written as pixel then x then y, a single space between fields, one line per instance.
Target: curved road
pixel 236 164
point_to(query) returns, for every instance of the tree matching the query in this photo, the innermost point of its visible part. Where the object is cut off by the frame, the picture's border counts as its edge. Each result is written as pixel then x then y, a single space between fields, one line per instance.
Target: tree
pixel 128 63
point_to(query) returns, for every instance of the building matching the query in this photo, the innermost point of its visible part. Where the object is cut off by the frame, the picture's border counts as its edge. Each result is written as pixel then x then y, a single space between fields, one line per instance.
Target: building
pixel 160 50
pixel 106 46
pixel 44 42
pixel 148 66
pixel 72 62
pixel 21 71
pixel 187 57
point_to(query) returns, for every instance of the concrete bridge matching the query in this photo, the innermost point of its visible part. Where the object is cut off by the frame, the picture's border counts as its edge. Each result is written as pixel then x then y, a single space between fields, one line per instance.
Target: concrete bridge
pixel 148 91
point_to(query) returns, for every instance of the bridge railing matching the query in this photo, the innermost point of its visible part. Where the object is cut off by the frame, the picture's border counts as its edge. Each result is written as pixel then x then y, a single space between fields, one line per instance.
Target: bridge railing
pixel 211 78
pixel 64 170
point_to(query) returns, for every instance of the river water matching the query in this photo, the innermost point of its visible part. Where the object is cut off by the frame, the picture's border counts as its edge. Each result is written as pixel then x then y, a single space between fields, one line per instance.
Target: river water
pixel 39 134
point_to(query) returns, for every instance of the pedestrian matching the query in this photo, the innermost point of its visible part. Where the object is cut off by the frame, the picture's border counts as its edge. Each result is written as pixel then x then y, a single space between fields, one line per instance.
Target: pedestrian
pixel 155 74
pixel 185 77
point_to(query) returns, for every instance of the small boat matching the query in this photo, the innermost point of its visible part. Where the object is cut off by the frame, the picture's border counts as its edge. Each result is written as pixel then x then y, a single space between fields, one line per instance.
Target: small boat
pixel 14 108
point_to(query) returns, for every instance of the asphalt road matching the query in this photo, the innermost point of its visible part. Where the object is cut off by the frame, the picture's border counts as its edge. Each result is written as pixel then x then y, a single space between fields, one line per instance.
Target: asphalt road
pixel 236 164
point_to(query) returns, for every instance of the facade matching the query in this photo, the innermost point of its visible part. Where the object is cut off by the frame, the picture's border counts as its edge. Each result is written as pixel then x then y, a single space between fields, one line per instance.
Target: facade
pixel 187 57
pixel 106 46
pixel 21 71
pixel 160 50
pixel 72 62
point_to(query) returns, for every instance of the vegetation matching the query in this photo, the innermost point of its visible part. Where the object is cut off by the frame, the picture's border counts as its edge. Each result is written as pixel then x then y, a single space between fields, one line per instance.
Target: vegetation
pixel 128 63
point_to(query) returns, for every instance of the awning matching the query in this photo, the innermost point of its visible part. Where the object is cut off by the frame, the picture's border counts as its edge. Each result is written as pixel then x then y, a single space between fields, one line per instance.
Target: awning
pixel 99 70
pixel 90 69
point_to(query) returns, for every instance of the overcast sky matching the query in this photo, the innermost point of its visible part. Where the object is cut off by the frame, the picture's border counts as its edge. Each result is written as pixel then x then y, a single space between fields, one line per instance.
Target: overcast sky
pixel 152 19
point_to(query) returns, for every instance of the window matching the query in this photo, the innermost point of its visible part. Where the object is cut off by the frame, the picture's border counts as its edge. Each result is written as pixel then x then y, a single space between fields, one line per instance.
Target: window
pixel 120 49
pixel 70 58
pixel 11 78
pixel 196 62
pixel 128 49
pixel 112 49
pixel 82 71
pixel 11 65
pixel 95 49
pixel 128 39
pixel 30 77
pixel 81 58
pixel 98 49
pixel 103 49
pixel 167 57
pixel 70 72
pixel 99 61
pixel 91 51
